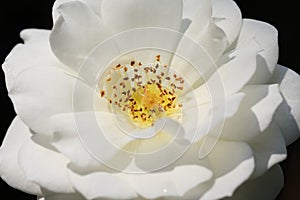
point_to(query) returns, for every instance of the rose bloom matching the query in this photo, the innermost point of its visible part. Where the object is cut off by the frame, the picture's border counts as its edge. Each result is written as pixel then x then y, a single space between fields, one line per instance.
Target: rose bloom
pixel 149 99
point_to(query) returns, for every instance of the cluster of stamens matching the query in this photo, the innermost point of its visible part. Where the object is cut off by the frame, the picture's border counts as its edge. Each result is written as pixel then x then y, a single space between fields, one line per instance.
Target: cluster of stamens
pixel 144 92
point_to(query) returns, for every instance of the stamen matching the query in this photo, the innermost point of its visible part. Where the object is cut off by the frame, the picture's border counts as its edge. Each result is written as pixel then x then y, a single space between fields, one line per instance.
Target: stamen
pixel 147 94
pixel 102 93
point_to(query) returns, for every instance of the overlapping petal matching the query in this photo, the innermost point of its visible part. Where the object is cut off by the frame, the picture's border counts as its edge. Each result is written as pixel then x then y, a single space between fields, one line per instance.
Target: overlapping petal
pixel 255 113
pixel 242 62
pixel 228 17
pixel 94 5
pixel 63 196
pixel 125 15
pixel 104 185
pixel 36 42
pixel 39 92
pixel 287 115
pixel 10 169
pixel 268 149
pixel 267 186
pixel 227 176
pixel 202 30
pixel 73 131
pixel 154 185
pixel 77 31
pixel 266 36
pixel 49 169
pixel 209 115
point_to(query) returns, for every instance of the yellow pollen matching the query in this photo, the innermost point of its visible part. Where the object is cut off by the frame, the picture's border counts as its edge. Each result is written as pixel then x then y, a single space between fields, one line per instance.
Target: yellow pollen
pixel 146 94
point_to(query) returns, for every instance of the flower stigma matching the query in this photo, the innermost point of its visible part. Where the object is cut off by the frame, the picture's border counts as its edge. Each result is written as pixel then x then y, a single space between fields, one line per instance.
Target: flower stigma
pixel 145 93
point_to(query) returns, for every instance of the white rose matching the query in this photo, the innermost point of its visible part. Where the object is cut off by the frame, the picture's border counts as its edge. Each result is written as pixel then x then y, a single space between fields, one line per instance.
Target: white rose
pixel 140 99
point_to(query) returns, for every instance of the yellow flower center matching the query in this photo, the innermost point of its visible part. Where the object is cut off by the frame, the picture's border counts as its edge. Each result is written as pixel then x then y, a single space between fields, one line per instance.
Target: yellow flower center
pixel 145 93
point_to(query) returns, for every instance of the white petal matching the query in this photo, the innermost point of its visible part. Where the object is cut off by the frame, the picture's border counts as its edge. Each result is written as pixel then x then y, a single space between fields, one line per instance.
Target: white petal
pixel 45 167
pixel 202 44
pixel 92 139
pixel 191 8
pixel 268 149
pixel 94 5
pixel 203 31
pixel 241 62
pixel 78 135
pixel 38 93
pixel 163 153
pixel 36 52
pixel 152 148
pixel 63 197
pixel 124 15
pixel 192 62
pixel 77 31
pixel 232 164
pixel 265 187
pixel 225 14
pixel 242 65
pixel 172 183
pixel 266 36
pixel 207 116
pixel 158 152
pixel 102 185
pixel 288 116
pixel 149 185
pixel 228 17
pixel 255 114
pixel 10 170
pixel 66 140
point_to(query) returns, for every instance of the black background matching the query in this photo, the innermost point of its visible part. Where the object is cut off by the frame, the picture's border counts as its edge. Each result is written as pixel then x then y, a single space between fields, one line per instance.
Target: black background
pixel 18 15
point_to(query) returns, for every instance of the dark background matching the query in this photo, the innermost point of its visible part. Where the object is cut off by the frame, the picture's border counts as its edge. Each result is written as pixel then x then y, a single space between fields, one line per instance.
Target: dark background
pixel 18 15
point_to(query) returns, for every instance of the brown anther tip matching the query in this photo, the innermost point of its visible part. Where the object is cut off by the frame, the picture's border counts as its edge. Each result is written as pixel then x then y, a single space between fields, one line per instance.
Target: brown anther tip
pixel 109 79
pixel 140 64
pixel 132 63
pixel 125 69
pixel 158 58
pixel 118 66
pixel 102 93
